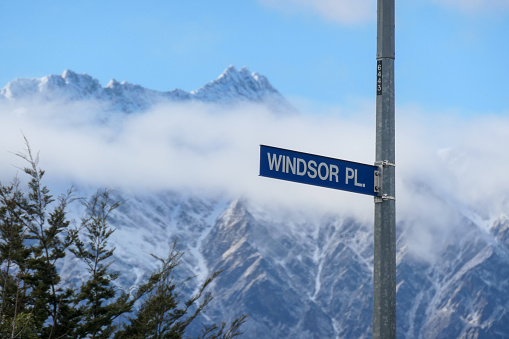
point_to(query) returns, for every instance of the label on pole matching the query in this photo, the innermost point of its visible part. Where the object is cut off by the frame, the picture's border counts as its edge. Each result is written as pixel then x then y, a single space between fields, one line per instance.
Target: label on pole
pixel 305 168
pixel 379 77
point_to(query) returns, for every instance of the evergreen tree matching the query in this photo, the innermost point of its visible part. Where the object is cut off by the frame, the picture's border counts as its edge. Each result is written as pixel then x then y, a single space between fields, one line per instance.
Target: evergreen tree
pixel 15 319
pixel 96 297
pixel 222 332
pixel 163 314
pixel 35 302
pixel 34 229
pixel 47 234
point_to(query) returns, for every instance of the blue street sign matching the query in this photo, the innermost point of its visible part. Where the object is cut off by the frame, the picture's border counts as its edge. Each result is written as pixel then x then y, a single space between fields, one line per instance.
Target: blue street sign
pixel 279 163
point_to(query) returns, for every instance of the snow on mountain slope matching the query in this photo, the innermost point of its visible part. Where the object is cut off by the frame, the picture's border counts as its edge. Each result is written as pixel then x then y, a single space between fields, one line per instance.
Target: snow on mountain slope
pixel 316 280
pixel 297 273
pixel 311 276
pixel 231 86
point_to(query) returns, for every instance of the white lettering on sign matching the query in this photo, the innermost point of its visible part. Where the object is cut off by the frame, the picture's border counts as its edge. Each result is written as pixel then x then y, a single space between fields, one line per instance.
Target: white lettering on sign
pixel 312 168
pixel 290 165
pixel 273 162
pixel 352 174
pixel 300 167
pixel 304 167
pixel 323 170
pixel 323 165
pixel 334 172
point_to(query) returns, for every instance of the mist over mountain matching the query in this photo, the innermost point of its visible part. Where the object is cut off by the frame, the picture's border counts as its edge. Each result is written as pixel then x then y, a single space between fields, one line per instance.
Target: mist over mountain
pixel 297 259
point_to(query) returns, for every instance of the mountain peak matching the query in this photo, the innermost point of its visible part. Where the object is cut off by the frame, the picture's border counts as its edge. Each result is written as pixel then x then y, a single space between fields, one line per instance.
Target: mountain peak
pixel 69 74
pixel 229 72
pixel 112 84
pixel 231 86
pixel 237 84
pixel 241 75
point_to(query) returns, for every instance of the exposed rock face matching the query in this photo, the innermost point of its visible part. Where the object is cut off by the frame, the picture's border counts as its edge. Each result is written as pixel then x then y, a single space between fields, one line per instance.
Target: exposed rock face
pixel 296 277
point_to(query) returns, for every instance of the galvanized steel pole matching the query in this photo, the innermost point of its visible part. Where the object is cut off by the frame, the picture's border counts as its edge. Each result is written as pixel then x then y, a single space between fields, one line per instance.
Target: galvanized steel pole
pixel 384 275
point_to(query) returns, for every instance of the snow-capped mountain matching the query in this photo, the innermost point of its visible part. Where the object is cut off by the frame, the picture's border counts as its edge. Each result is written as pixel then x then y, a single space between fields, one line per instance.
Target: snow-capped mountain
pixel 232 86
pixel 297 274
pixel 312 278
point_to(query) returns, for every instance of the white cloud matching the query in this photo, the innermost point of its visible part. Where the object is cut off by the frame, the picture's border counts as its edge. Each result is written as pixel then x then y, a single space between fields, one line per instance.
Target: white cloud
pixel 194 147
pixel 340 11
pixel 445 164
pixel 360 11
pixel 475 5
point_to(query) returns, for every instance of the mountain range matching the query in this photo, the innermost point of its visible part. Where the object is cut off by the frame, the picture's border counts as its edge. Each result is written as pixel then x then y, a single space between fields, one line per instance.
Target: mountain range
pixel 231 86
pixel 297 274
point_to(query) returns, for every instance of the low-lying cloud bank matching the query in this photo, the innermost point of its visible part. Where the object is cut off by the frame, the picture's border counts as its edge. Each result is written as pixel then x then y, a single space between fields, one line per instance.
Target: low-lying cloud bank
pixel 442 161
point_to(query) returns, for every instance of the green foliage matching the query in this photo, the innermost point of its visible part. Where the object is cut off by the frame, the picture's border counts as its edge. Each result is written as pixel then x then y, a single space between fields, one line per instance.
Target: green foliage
pixel 34 241
pixel 160 316
pixel 20 326
pixel 36 235
pixel 96 295
pixel 13 252
pixel 163 314
pixel 222 332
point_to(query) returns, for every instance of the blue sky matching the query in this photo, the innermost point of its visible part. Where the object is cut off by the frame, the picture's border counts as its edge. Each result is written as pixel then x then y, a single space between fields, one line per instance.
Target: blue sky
pixel 452 97
pixel 451 55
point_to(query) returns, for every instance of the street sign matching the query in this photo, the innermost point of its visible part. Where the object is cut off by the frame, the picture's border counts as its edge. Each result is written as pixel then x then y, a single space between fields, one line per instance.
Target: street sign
pixel 279 163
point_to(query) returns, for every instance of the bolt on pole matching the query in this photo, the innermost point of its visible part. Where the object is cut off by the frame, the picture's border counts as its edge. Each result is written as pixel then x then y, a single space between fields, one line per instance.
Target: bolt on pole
pixel 384 270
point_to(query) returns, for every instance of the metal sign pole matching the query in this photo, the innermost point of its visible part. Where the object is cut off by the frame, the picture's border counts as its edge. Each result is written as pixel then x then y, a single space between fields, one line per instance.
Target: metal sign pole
pixel 384 275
